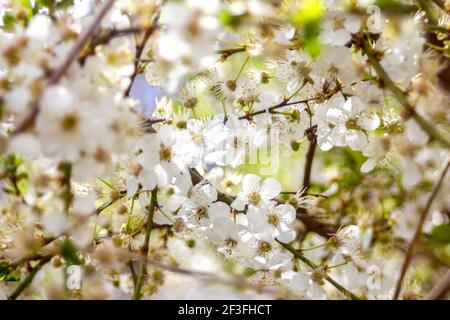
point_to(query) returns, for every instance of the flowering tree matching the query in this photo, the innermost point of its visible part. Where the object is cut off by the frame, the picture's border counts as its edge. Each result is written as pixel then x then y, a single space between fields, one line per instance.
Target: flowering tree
pixel 296 149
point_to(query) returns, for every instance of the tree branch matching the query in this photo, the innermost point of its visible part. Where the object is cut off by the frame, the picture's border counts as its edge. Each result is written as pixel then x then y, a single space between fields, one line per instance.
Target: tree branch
pixel 441 289
pixel 139 50
pixel 410 251
pixel 312 137
pixel 311 264
pixel 27 281
pixel 148 231
pixel 287 102
pixel 311 223
pixel 402 98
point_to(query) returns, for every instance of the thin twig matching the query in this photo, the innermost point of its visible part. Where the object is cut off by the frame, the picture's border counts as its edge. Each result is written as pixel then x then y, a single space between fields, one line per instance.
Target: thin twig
pixel 311 223
pixel 428 7
pixel 441 289
pixel 27 281
pixel 148 231
pixel 442 5
pixel 312 137
pixel 312 265
pixel 287 102
pixel 412 244
pixel 402 98
pixel 139 50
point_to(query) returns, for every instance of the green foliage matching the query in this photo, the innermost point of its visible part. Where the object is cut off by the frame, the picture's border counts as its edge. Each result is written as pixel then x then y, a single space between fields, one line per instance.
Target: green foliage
pixel 8 21
pixel 24 10
pixel 52 4
pixel 228 19
pixel 308 19
pixel 440 235
pixel 69 252
pixel 7 273
pixel 13 172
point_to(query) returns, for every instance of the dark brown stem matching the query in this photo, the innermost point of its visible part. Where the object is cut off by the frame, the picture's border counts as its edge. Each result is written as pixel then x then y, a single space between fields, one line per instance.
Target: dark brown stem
pixel 27 281
pixel 287 102
pixel 312 137
pixel 139 50
pixel 402 97
pixel 442 5
pixel 410 252
pixel 441 289
pixel 106 38
pixel 312 265
pixel 311 223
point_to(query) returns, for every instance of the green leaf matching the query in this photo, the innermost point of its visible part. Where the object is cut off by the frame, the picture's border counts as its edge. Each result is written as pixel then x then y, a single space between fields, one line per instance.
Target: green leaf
pixel 8 21
pixel 310 12
pixel 7 273
pixel 64 4
pixel 440 235
pixel 69 252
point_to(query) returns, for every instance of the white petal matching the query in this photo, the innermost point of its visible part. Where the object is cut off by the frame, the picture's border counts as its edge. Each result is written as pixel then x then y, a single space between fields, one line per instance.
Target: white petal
pixel 270 188
pixel 341 37
pixel 369 121
pixel 335 115
pixel 286 212
pixel 239 203
pixel 356 139
pixel 55 223
pixel 251 183
pixel 368 165
pixel 218 210
pixel 286 237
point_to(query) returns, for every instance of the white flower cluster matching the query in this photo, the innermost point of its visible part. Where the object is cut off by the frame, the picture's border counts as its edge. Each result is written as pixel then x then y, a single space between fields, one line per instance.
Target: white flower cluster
pixel 93 174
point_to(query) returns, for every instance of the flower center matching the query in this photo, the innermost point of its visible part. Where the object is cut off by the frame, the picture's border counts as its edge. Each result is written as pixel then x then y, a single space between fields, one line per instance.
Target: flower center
pixel 190 102
pixel 201 213
pixel 69 122
pixel 338 24
pixel 231 243
pixel 255 197
pixel 351 124
pixel 264 246
pixel 181 124
pixel 273 219
pixel 165 153
pixel 197 138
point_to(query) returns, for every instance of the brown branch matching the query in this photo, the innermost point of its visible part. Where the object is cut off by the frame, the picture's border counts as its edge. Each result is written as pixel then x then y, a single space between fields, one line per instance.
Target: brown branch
pixel 402 97
pixel 27 281
pixel 106 38
pixel 312 137
pixel 139 50
pixel 61 70
pixel 442 5
pixel 410 251
pixel 441 289
pixel 287 102
pixel 297 254
pixel 311 223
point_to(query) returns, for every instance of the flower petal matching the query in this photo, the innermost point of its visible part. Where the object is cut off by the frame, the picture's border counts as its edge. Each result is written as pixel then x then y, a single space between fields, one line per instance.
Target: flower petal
pixel 251 183
pixel 270 188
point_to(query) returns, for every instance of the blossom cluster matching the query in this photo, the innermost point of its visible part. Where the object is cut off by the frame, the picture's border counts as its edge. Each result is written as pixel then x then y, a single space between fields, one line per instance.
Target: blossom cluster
pixel 290 145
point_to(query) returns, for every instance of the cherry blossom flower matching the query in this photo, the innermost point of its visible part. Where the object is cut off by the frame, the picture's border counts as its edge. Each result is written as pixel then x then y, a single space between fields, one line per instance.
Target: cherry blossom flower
pixel 256 193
